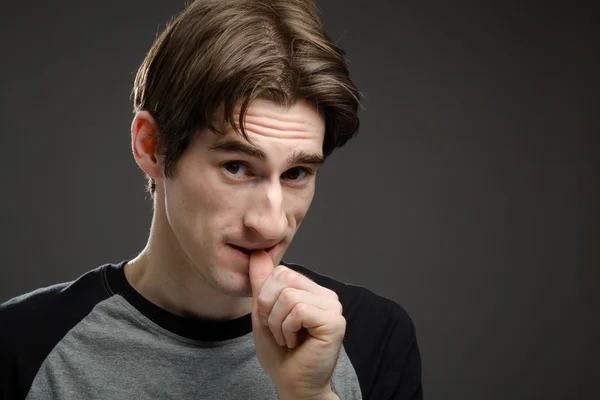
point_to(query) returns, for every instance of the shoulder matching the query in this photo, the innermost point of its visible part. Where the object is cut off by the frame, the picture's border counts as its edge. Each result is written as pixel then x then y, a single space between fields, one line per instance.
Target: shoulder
pixel 33 323
pixel 19 310
pixel 51 303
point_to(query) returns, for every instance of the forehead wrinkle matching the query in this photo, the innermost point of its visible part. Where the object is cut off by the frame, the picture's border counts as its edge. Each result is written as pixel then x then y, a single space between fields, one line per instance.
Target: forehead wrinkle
pixel 276 132
pixel 254 113
pixel 285 117
pixel 277 123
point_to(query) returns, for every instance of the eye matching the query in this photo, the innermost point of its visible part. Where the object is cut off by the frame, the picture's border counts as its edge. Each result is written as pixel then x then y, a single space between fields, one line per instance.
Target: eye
pixel 297 174
pixel 236 168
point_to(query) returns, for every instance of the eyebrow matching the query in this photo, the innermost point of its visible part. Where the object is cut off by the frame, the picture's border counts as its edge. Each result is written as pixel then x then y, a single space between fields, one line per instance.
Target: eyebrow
pixel 229 145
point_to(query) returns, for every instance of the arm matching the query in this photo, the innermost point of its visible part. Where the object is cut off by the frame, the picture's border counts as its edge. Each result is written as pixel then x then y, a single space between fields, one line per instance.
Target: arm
pixel 399 372
pixel 382 344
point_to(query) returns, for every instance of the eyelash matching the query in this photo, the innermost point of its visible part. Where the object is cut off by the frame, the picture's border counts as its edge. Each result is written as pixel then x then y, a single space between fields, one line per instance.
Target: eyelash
pixel 308 171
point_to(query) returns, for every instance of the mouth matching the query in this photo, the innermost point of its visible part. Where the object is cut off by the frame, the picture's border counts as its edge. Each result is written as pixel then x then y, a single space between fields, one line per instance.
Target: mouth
pixel 248 251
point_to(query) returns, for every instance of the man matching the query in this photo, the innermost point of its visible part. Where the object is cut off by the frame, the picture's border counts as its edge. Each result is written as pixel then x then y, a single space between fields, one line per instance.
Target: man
pixel 238 103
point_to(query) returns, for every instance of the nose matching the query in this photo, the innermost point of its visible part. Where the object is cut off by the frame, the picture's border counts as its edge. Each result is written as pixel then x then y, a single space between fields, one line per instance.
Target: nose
pixel 266 215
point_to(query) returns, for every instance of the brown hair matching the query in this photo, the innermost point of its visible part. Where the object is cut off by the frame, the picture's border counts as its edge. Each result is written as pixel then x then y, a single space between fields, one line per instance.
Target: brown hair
pixel 220 53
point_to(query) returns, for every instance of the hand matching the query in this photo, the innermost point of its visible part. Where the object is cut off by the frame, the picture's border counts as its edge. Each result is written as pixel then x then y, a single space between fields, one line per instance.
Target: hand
pixel 298 329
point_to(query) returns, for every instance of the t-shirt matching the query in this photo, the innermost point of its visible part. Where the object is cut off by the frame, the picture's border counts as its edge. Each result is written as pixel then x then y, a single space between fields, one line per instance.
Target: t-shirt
pixel 98 338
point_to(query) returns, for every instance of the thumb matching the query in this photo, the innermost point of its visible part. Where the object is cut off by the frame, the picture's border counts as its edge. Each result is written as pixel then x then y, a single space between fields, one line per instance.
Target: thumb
pixel 260 267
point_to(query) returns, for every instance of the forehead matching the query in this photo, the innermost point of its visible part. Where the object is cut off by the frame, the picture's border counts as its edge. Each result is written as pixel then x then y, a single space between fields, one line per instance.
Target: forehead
pixel 300 121
pixel 271 129
pixel 266 122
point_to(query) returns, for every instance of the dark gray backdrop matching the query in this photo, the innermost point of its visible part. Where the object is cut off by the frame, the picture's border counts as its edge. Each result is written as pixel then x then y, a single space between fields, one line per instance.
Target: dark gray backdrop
pixel 470 195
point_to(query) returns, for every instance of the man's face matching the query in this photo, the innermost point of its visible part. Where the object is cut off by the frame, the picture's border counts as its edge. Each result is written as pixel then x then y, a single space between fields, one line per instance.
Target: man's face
pixel 230 196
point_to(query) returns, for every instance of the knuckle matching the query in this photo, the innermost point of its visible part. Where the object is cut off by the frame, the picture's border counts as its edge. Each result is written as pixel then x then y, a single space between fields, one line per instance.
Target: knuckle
pixel 263 303
pixel 300 309
pixel 333 294
pixel 289 295
pixel 341 325
pixel 288 276
pixel 279 270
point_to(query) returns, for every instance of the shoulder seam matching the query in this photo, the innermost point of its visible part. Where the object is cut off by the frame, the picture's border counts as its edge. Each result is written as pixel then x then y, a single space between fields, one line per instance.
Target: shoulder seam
pixel 104 280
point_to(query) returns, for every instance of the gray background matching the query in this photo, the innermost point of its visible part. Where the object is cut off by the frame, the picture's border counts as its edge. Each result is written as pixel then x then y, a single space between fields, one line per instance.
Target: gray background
pixel 470 195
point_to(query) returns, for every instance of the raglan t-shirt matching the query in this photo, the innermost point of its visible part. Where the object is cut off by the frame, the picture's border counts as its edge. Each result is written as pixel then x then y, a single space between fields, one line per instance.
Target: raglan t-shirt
pixel 98 338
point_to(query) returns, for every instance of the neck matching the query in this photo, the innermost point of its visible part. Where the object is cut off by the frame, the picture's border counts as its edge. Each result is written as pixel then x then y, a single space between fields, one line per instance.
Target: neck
pixel 165 276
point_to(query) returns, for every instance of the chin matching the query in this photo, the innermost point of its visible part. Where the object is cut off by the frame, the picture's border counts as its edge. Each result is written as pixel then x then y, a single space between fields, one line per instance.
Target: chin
pixel 234 284
pixel 230 277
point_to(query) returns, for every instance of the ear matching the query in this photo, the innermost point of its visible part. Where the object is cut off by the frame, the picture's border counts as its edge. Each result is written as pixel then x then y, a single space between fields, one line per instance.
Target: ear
pixel 144 139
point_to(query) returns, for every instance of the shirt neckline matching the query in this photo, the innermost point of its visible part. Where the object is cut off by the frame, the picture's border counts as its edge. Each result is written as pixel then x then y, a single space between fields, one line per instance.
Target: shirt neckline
pixel 191 328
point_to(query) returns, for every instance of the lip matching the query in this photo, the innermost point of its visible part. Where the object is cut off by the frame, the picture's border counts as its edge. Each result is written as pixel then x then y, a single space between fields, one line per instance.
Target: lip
pixel 240 253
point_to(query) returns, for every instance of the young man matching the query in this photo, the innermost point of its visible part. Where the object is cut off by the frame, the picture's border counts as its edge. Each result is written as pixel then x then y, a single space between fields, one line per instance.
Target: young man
pixel 237 105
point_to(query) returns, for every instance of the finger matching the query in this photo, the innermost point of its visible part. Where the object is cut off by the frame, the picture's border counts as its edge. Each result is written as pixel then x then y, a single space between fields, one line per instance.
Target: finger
pixel 283 277
pixel 287 300
pixel 260 267
pixel 325 325
pixel 293 339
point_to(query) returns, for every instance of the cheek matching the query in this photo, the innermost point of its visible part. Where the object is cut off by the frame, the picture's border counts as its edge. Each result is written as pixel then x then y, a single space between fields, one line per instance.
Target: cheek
pixel 213 206
pixel 190 202
pixel 197 188
pixel 298 205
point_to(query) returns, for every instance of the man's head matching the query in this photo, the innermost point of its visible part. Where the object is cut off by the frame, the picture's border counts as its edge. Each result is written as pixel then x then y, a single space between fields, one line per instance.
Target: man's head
pixel 220 53
pixel 240 101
